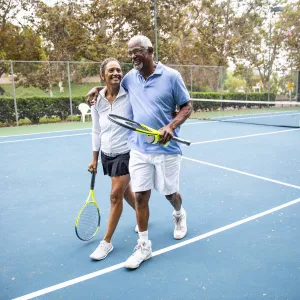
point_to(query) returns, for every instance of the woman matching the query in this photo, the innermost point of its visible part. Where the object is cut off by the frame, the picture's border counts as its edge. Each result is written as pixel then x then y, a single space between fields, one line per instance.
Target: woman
pixel 112 140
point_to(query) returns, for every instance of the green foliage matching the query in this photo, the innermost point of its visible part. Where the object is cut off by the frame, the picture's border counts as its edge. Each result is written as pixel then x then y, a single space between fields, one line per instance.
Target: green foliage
pixel 37 108
pixel 78 90
pixel 233 84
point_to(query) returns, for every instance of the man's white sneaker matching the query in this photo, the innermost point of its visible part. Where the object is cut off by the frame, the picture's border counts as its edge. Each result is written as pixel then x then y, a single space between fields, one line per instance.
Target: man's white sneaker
pixel 142 252
pixel 102 250
pixel 180 229
pixel 136 228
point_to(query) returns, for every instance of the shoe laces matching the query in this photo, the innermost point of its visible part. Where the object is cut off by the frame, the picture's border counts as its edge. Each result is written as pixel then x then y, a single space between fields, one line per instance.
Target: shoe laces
pixel 139 247
pixel 177 222
pixel 104 245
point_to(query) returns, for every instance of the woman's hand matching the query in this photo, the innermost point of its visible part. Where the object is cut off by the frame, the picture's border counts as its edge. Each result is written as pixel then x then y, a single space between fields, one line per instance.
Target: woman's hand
pixel 93 166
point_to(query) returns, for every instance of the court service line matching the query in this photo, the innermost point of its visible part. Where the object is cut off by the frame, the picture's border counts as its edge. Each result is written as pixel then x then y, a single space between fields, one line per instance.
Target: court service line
pixel 45 138
pixel 45 132
pixel 156 253
pixel 243 173
pixel 244 136
pixel 256 117
pixel 194 143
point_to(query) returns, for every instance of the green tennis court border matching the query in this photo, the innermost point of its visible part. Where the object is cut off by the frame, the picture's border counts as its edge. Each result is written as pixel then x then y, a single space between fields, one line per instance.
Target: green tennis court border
pixel 42 128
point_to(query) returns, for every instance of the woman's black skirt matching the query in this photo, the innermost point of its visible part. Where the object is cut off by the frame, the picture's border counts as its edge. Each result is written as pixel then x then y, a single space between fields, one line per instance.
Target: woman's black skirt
pixel 115 166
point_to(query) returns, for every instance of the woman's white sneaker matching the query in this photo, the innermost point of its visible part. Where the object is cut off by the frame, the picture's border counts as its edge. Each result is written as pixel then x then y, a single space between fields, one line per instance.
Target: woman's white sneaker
pixel 180 227
pixel 142 252
pixel 102 250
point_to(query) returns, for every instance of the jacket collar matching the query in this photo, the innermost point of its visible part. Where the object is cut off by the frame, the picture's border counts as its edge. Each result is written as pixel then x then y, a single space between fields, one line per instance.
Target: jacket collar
pixel 121 92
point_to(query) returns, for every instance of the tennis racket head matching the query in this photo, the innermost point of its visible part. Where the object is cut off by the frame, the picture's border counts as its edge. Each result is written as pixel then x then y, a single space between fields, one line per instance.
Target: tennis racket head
pixel 132 125
pixel 88 221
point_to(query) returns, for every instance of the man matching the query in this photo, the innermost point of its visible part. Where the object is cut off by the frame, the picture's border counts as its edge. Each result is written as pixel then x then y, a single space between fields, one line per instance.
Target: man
pixel 154 92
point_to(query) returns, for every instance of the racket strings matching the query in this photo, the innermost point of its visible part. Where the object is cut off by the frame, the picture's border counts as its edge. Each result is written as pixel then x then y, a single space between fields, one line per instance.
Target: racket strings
pixel 88 222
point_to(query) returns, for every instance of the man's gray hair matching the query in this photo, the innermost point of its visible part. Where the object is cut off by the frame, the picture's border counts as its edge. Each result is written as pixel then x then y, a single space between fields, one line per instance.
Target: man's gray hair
pixel 143 40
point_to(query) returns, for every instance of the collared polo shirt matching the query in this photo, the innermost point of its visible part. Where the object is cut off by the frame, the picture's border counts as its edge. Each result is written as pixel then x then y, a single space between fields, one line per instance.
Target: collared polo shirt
pixel 153 101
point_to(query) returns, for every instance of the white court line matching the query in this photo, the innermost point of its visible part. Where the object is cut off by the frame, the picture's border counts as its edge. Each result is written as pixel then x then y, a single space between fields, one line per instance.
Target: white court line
pixel 194 143
pixel 190 122
pixel 256 117
pixel 243 173
pixel 46 132
pixel 45 138
pixel 199 122
pixel 158 252
pixel 243 136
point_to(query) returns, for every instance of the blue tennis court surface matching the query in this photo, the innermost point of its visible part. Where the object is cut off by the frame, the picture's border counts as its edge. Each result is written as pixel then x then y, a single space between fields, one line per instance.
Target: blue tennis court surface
pixel 241 189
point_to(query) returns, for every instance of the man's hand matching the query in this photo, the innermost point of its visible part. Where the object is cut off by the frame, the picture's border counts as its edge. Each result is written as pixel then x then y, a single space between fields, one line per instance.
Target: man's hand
pixel 92 95
pixel 167 133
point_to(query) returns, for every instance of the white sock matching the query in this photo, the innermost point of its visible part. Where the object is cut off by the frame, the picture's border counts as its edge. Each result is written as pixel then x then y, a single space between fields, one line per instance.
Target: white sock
pixel 143 236
pixel 179 212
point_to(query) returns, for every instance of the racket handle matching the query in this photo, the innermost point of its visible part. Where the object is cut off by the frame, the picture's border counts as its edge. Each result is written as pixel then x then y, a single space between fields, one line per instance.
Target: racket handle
pixel 93 180
pixel 179 140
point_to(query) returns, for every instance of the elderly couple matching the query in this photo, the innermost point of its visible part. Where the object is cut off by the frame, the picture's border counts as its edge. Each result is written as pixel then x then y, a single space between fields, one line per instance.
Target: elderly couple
pixel 148 94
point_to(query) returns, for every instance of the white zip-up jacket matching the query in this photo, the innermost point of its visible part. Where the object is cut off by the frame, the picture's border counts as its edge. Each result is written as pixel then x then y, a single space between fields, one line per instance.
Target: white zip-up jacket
pixel 107 136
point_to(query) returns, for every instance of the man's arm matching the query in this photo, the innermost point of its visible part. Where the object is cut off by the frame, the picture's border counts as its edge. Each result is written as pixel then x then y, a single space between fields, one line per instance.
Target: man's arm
pixel 167 132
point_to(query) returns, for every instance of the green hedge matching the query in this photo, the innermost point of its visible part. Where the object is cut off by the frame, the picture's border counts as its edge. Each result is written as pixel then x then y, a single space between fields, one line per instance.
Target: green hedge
pixel 228 96
pixel 35 108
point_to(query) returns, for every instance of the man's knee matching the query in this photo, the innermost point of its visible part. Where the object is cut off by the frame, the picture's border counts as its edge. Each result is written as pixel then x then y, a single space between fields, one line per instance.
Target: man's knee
pixel 142 198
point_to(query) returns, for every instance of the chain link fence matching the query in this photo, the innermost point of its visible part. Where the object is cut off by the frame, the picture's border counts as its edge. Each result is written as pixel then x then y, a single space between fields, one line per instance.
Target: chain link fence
pixel 67 83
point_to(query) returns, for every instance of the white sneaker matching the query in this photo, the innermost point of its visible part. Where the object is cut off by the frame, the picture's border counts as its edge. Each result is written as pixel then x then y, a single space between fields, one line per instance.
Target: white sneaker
pixel 102 250
pixel 180 229
pixel 142 252
pixel 136 229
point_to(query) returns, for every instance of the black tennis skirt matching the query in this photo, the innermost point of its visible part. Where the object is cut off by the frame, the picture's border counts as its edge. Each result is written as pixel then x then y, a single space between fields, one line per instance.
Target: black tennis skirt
pixel 115 166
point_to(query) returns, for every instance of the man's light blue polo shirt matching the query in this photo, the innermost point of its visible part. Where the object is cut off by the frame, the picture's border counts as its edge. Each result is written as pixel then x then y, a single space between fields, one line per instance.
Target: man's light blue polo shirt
pixel 153 101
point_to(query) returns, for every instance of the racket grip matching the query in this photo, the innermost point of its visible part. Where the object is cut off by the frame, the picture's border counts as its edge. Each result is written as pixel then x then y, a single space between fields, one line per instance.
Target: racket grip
pixel 93 180
pixel 179 140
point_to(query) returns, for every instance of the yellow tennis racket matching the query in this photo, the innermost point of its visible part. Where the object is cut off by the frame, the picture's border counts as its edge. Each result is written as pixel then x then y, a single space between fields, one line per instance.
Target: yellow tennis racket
pixel 141 128
pixel 88 219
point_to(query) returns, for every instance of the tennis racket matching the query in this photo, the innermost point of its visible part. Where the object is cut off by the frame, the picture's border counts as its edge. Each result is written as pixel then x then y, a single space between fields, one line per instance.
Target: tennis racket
pixel 88 219
pixel 141 128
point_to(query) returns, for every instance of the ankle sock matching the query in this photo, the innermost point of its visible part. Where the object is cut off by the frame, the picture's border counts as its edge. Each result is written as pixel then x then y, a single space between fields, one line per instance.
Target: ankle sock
pixel 143 236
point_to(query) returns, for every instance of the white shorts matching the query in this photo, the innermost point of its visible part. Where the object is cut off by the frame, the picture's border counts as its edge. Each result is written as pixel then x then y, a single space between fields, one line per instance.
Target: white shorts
pixel 159 171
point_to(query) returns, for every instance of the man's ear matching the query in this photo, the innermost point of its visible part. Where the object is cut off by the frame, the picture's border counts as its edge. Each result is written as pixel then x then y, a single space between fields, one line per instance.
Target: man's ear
pixel 150 49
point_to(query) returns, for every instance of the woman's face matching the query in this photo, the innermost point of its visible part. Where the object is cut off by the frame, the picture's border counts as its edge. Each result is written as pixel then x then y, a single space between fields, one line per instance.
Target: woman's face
pixel 113 73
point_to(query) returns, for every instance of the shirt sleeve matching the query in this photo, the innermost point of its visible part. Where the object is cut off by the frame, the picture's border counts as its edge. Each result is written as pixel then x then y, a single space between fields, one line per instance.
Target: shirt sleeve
pixel 181 93
pixel 96 129
pixel 124 82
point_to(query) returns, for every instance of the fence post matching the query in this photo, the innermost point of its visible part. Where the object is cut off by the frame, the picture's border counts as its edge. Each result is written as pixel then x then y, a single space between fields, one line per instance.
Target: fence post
pixel 70 92
pixel 191 81
pixel 246 84
pixel 221 79
pixel 14 91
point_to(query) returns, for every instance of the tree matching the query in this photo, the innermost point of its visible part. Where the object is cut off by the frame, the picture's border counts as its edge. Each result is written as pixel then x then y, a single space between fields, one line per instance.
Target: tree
pixel 233 84
pixel 252 32
pixel 290 24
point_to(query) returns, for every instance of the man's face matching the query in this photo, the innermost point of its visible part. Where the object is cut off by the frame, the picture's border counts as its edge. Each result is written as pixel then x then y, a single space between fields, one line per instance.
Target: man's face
pixel 138 54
